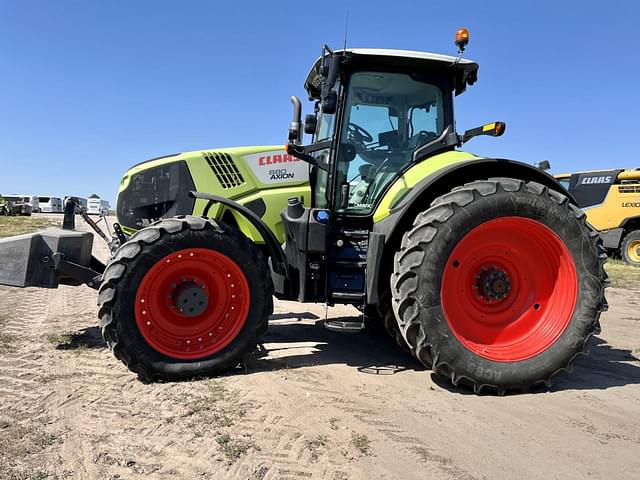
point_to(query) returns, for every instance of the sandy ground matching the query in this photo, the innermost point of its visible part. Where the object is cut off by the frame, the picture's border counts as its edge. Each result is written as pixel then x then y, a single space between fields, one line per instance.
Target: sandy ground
pixel 311 404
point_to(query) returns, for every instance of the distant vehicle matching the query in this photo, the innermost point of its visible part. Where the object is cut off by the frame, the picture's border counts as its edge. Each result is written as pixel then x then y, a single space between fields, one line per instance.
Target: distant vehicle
pixel 96 206
pixel 611 200
pixel 80 202
pixel 31 200
pixel 51 205
pixel 11 205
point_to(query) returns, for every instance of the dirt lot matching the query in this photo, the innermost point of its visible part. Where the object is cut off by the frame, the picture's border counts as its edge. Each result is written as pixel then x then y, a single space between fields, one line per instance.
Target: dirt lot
pixel 311 404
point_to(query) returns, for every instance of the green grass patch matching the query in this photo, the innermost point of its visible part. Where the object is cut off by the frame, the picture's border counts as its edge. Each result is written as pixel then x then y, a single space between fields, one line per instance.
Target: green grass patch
pixel 10 226
pixel 22 450
pixel 623 275
pixel 233 447
pixel 315 446
pixel 362 444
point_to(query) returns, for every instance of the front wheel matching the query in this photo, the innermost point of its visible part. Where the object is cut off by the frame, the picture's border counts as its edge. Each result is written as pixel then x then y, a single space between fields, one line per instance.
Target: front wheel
pixel 500 284
pixel 187 296
pixel 630 248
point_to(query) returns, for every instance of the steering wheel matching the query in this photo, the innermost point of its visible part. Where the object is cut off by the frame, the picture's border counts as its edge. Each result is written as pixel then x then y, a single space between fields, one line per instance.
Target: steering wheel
pixel 359 133
pixel 422 138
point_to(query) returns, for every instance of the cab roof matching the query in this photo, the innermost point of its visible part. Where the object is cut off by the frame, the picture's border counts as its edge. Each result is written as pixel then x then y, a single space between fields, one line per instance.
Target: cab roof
pixel 465 71
pixel 629 172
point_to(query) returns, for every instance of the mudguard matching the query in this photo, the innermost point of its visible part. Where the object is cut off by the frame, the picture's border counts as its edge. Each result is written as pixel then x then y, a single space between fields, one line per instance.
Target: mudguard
pixel 278 262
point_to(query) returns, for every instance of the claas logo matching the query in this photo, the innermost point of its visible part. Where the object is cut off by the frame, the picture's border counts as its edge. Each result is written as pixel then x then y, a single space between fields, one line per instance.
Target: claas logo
pixel 596 180
pixel 274 159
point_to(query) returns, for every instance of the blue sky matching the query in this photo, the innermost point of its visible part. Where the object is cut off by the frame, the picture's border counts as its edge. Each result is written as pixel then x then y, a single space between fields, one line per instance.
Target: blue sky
pixel 88 88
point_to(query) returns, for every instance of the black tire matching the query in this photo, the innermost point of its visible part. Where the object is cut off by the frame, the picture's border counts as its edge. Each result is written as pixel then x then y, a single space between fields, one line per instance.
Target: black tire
pixel 130 263
pixel 631 240
pixel 426 249
pixel 390 324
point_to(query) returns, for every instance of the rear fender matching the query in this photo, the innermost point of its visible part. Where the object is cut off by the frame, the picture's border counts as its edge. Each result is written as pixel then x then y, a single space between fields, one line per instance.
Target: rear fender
pixel 444 180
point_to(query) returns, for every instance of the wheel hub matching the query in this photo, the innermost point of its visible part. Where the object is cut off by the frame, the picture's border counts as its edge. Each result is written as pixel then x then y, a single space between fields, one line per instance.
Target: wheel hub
pixel 493 284
pixel 192 303
pixel 190 299
pixel 634 251
pixel 509 289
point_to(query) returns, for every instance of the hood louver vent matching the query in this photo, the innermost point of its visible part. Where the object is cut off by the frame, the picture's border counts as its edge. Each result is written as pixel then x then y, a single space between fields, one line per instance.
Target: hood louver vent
pixel 629 188
pixel 225 169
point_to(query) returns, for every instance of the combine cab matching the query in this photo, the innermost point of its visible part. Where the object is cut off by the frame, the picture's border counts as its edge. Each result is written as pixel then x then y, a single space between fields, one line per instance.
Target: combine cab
pixel 484 269
pixel 611 200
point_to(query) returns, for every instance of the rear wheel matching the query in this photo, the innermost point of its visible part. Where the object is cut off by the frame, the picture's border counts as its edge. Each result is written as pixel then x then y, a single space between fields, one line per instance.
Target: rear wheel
pixel 187 296
pixel 631 248
pixel 499 284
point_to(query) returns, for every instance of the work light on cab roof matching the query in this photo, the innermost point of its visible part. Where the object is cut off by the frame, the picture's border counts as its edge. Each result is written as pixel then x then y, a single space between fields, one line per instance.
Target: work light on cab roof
pixel 462 39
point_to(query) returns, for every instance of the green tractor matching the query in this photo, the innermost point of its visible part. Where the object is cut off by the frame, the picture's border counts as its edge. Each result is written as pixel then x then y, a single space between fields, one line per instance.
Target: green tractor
pixel 482 268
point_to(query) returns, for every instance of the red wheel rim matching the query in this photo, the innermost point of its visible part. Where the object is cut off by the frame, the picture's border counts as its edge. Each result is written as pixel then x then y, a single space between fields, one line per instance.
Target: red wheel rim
pixel 192 303
pixel 509 289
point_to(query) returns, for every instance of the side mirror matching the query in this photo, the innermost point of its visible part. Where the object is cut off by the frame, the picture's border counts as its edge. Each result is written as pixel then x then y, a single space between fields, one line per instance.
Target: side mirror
pixel 295 130
pixel 329 104
pixel 310 124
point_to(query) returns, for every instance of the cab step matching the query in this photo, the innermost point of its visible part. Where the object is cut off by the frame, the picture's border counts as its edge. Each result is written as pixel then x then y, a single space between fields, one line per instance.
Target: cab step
pixel 355 325
pixel 351 296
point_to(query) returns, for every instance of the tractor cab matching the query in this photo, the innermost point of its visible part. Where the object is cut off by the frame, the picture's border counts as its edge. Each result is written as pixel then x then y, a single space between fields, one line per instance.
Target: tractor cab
pixel 376 113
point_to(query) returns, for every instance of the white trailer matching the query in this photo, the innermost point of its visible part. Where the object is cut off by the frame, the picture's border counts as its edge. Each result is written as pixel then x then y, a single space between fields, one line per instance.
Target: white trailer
pixel 50 204
pixel 96 206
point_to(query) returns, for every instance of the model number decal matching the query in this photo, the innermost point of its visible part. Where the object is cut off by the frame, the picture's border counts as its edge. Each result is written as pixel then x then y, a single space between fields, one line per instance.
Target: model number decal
pixel 277 167
pixel 281 174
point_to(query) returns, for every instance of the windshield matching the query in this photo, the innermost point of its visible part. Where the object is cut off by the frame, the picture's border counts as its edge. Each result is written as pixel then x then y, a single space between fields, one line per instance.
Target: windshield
pixel 387 117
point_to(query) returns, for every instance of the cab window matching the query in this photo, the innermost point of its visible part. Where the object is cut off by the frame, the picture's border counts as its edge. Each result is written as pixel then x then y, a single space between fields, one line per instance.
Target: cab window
pixel 387 117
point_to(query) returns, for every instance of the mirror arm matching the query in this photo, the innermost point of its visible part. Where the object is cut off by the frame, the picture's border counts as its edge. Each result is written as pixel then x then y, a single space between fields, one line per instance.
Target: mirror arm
pixel 494 129
pixel 303 153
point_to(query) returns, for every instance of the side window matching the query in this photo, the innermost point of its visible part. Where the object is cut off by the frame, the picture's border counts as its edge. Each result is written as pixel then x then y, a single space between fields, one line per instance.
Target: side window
pixel 326 127
pixel 320 178
pixel 425 119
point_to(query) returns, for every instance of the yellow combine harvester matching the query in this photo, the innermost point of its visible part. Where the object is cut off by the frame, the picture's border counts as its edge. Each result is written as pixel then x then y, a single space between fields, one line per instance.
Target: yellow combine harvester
pixel 611 200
